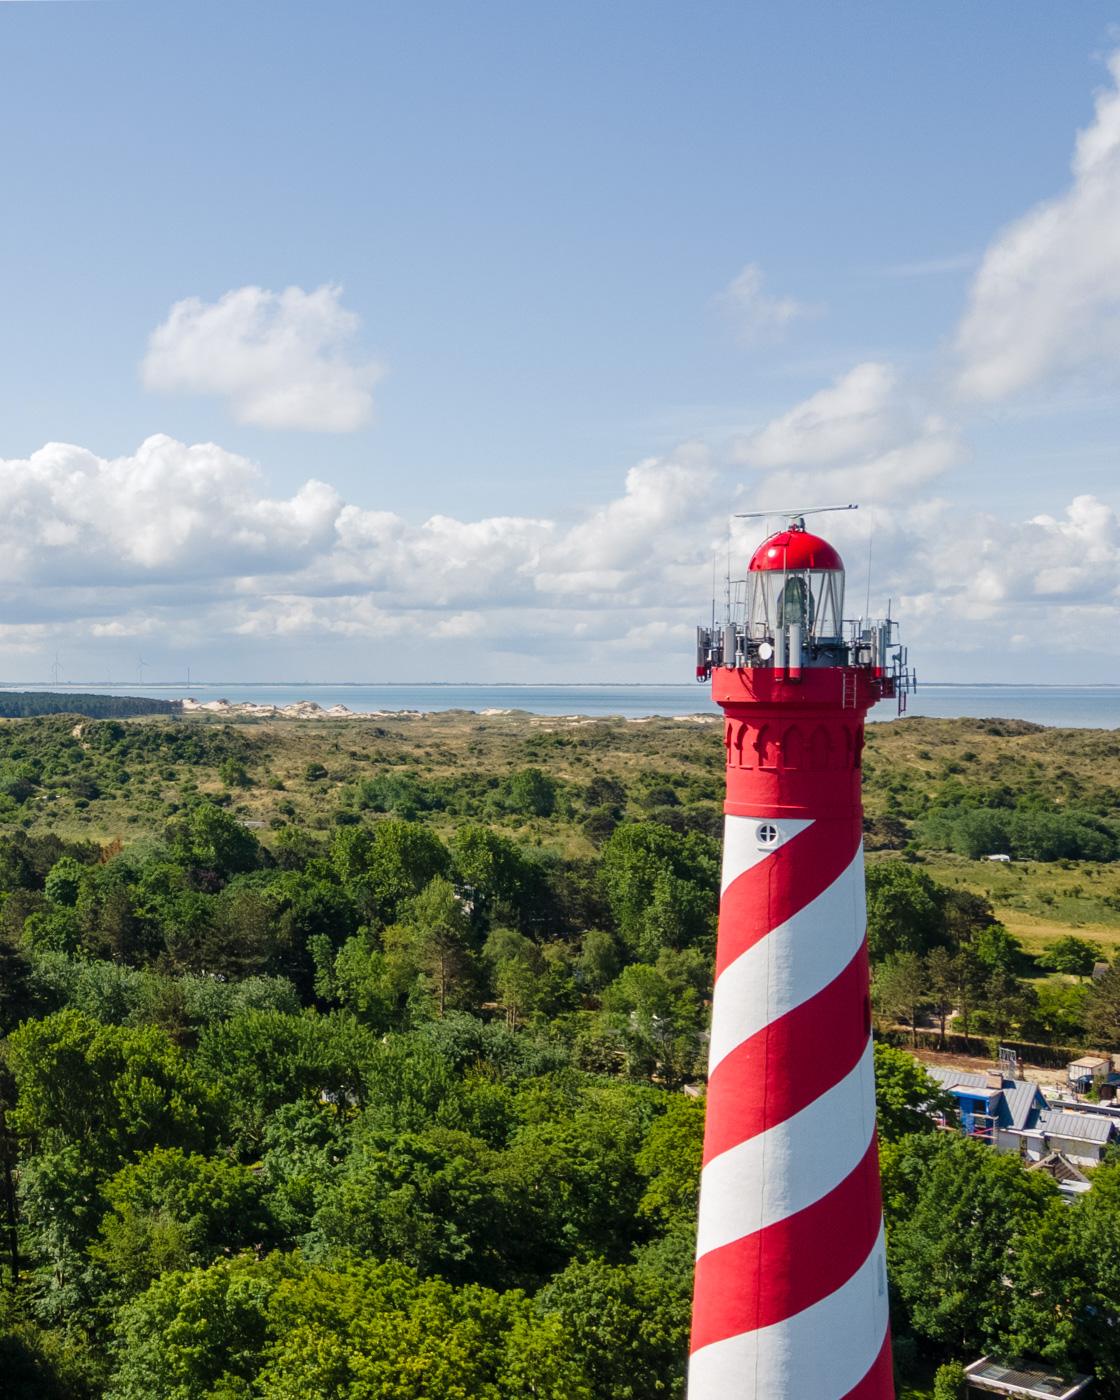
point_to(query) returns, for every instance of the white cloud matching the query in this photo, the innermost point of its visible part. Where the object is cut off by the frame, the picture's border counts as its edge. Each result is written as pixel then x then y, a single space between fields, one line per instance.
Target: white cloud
pixel 182 549
pixel 1046 299
pixel 281 359
pixel 756 314
pixel 854 414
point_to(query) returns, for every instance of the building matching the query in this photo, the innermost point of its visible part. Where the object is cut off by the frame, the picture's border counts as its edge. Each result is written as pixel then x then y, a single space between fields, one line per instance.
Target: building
pixel 1013 1115
pixel 1022 1381
pixel 991 1106
pixel 790 1299
pixel 1070 1180
pixel 1088 1073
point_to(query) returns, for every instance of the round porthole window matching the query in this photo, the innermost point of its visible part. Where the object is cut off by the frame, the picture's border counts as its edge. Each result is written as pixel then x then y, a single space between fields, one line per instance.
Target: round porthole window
pixel 767 834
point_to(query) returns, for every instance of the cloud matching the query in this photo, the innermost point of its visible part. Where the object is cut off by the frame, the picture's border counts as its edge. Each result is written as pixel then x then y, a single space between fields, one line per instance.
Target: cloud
pixel 854 414
pixel 756 315
pixel 1046 298
pixel 281 359
pixel 183 549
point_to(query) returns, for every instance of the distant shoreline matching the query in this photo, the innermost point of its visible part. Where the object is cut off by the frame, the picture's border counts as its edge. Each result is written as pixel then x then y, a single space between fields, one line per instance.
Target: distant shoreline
pixel 66 687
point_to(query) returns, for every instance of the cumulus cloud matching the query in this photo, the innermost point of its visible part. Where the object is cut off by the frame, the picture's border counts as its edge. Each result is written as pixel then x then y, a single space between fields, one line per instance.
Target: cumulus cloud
pixel 280 359
pixel 854 414
pixel 1047 295
pixel 180 546
pixel 863 438
pixel 756 314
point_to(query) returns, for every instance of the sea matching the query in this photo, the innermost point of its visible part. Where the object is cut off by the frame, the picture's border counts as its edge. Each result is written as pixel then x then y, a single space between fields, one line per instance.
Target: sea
pixel 1077 707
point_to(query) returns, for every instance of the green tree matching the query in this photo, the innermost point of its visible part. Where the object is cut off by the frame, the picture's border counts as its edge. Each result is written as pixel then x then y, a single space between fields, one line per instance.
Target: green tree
pixel 429 1199
pixel 616 1318
pixel 906 1098
pixel 949 1383
pixel 173 1210
pixel 64 881
pixel 530 792
pixel 941 983
pixel 900 989
pixel 517 968
pixel 659 1015
pixel 661 887
pixel 433 939
pixel 1102 1009
pixel 1065 1272
pixel 949 1248
pixel 389 865
pixel 1073 956
pixel 670 1159
pixel 211 839
pixel 905 910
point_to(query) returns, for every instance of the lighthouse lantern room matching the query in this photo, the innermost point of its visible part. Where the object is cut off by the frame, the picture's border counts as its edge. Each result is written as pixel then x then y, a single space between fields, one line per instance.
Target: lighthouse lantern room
pixel 787 613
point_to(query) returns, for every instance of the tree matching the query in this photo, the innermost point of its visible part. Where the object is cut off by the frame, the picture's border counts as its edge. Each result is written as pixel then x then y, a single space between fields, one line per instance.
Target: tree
pixel 1102 1010
pixel 1073 956
pixel 173 1210
pixel 949 1248
pixel 941 981
pixel 670 1160
pixel 517 968
pixel 213 840
pixel 906 1098
pixel 429 1199
pixel 261 1059
pixel 389 865
pixel 905 910
pixel 530 792
pixel 432 940
pixel 494 873
pixel 949 1382
pixel 1066 1276
pixel 661 887
pixel 364 1331
pixel 615 1317
pixel 1007 1002
pixel 659 1015
pixel 900 988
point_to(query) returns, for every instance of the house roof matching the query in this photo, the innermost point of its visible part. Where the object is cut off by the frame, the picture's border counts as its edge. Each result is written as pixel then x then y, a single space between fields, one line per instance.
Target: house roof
pixel 1057 1165
pixel 1089 1062
pixel 1020 1098
pixel 950 1078
pixel 1023 1380
pixel 1085 1127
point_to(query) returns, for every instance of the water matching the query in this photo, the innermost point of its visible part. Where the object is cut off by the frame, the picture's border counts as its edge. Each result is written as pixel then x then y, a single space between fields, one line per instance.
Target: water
pixel 1091 707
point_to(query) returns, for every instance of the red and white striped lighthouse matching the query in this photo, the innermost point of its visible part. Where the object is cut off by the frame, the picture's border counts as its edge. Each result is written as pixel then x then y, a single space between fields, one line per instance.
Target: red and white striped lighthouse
pixel 791 1287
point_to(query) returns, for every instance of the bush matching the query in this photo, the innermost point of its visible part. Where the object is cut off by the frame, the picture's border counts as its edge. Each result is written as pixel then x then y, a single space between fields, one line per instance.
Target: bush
pixel 948 1384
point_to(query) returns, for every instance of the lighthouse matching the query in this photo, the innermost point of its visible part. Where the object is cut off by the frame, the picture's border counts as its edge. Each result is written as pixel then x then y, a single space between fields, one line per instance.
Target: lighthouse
pixel 790 1295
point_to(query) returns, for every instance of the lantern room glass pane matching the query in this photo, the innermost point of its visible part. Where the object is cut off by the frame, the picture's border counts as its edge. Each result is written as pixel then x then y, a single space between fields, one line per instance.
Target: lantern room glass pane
pixel 813 598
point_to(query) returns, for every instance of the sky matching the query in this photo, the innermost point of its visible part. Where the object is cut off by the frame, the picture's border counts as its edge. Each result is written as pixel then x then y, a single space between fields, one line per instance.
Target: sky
pixel 404 342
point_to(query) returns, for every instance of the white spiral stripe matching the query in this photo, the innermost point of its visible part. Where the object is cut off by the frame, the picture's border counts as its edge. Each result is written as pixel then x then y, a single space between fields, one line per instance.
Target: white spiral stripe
pixel 820 1353
pixel 793 962
pixel 790 1166
pixel 741 849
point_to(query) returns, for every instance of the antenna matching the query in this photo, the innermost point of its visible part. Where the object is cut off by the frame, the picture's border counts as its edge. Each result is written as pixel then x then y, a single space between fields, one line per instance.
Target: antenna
pixel 812 510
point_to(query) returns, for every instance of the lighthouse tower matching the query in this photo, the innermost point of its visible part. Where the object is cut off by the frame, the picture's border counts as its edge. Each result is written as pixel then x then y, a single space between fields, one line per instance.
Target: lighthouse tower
pixel 791 1287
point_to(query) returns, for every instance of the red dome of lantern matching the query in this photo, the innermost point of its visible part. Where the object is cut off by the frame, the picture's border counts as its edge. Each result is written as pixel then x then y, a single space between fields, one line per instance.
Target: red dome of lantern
pixel 794 549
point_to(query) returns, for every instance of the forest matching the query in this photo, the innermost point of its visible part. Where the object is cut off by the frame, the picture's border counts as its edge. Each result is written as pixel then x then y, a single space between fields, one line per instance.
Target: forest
pixel 16 704
pixel 353 1059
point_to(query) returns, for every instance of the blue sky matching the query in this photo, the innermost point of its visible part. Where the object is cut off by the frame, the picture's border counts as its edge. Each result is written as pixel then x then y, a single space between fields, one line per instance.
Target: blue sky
pixel 558 245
